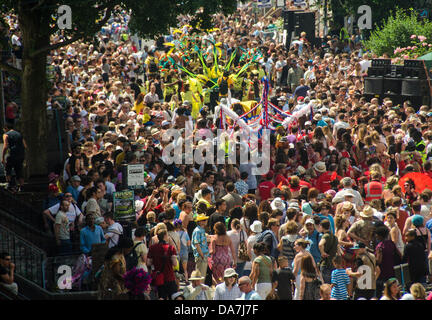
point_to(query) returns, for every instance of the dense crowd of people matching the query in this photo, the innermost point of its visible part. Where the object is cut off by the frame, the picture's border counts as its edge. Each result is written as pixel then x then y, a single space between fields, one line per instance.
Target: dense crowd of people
pixel 329 220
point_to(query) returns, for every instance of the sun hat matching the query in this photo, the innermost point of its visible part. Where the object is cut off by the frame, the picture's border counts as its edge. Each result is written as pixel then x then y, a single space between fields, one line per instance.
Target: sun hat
pixel 312 221
pixel 331 192
pixel 318 117
pixel 154 131
pixel 196 275
pixel 278 204
pixel 301 170
pixel 201 217
pixel 367 212
pixel 230 272
pixel 180 179
pixel 256 226
pixel 320 167
pixel 76 178
pixel 170 179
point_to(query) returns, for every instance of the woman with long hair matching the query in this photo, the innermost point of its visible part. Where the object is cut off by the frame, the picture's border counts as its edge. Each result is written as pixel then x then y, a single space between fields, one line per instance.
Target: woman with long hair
pixel 250 216
pixel 309 282
pixel 300 247
pixel 342 224
pixel 238 236
pixel 392 290
pixel 221 250
pixel 264 206
pixel 139 103
pixel 111 285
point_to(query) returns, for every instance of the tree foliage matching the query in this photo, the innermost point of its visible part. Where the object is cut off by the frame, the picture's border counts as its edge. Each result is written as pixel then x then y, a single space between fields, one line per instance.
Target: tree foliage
pixel 397 31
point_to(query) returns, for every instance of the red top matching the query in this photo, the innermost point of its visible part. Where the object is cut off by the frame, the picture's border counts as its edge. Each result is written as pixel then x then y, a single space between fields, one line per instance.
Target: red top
pixel 161 253
pixel 281 179
pixel 264 189
pixel 323 181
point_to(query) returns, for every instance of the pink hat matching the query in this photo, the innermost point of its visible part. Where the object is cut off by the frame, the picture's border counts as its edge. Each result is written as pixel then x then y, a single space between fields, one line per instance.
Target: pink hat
pixel 331 192
pixel 301 98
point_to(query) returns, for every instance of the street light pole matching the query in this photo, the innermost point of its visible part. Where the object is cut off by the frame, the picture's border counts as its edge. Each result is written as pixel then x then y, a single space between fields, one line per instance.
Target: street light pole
pixel 325 17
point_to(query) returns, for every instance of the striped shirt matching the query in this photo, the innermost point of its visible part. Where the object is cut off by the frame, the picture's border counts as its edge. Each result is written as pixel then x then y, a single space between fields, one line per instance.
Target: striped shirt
pixel 341 280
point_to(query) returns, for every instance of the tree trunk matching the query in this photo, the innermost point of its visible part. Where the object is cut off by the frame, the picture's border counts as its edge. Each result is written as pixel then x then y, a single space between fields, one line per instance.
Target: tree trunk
pixel 34 96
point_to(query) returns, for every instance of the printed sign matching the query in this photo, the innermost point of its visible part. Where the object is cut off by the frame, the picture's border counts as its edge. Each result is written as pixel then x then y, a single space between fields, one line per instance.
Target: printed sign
pixel 264 4
pixel 135 176
pixel 124 205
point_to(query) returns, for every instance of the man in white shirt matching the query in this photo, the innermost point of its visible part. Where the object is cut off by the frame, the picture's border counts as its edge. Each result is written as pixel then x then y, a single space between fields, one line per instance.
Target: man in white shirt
pixel 114 230
pixel 62 230
pixel 347 184
pixel 73 213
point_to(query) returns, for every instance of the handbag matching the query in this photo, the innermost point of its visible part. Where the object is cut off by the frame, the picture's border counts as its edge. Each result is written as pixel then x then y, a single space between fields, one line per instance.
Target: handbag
pixel 242 251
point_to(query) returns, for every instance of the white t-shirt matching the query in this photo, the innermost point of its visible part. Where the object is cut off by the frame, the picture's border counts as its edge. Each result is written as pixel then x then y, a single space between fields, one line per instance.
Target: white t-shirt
pixel 114 231
pixel 72 213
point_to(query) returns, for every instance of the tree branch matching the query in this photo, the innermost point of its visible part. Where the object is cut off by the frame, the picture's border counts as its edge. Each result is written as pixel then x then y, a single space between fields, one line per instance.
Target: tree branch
pixel 10 69
pixel 73 39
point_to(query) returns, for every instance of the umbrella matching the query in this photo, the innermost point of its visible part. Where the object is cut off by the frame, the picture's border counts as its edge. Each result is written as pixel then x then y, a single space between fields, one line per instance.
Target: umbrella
pixel 422 181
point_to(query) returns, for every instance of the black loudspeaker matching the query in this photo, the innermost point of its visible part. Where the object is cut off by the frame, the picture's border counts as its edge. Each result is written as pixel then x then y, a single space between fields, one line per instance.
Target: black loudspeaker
pixel 395 71
pixel 289 25
pixel 380 62
pixel 377 71
pixel 415 69
pixel 412 87
pixel 392 86
pixel 373 85
pixel 305 21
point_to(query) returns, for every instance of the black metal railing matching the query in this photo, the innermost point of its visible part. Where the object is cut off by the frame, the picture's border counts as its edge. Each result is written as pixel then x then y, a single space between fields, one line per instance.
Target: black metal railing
pixel 29 260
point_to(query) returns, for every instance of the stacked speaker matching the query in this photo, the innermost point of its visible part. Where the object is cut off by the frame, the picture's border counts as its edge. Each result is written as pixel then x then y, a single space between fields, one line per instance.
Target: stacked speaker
pixel 397 82
pixel 297 21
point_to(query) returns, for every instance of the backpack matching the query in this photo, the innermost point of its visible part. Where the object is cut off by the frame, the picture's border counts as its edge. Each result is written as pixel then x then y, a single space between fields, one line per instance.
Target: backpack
pixel 152 66
pixel 132 258
pixel 260 238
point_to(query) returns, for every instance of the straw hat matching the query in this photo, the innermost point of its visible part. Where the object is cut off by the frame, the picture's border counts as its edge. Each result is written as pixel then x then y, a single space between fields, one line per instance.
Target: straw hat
pixel 320 167
pixel 196 275
pixel 367 212
pixel 278 204
pixel 256 227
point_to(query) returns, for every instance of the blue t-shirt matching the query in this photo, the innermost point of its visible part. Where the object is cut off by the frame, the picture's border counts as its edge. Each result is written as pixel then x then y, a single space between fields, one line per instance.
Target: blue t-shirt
pixel 177 210
pixel 313 248
pixel 252 295
pixel 341 280
pixel 89 237
pixel 429 225
pixel 330 218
